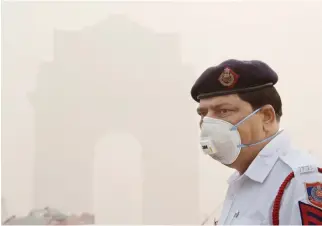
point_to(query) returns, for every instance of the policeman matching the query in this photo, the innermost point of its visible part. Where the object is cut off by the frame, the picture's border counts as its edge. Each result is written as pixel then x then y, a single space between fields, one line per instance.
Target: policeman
pixel 274 182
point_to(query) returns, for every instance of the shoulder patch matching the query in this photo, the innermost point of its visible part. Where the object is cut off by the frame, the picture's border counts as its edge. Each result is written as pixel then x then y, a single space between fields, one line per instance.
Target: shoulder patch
pixel 310 215
pixel 314 193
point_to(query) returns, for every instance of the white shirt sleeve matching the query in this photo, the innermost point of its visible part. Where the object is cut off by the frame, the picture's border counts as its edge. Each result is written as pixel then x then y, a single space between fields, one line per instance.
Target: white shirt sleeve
pixel 301 203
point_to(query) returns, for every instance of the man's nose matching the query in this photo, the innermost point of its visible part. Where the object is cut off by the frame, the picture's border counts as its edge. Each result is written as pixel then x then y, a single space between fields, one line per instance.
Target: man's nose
pixel 210 114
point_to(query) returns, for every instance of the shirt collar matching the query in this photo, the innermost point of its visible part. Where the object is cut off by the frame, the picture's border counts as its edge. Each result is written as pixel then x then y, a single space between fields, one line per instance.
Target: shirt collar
pixel 233 177
pixel 265 160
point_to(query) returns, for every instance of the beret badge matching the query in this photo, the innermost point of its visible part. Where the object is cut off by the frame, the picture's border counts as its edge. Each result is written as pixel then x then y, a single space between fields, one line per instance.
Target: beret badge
pixel 228 78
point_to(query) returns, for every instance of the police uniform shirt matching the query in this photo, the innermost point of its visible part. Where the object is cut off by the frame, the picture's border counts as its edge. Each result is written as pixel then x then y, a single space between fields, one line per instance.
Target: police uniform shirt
pixel 250 197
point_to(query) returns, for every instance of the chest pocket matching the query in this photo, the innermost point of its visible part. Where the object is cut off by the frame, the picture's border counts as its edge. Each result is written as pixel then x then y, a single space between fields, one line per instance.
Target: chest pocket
pixel 252 218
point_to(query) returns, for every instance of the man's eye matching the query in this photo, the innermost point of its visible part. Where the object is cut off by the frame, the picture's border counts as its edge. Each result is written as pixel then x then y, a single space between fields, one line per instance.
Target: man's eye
pixel 224 112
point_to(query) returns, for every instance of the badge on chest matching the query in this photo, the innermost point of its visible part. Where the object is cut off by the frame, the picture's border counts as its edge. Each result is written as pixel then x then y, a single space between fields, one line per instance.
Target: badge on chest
pixel 314 193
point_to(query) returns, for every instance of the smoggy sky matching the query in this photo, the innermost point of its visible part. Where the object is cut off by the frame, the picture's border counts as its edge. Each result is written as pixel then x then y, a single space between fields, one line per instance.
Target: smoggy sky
pixel 96 110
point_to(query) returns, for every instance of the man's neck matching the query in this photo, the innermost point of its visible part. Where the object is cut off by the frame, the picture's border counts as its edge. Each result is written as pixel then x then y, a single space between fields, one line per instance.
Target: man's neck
pixel 246 159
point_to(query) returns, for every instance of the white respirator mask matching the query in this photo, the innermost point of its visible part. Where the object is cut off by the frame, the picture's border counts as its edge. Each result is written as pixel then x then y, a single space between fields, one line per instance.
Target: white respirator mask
pixel 221 140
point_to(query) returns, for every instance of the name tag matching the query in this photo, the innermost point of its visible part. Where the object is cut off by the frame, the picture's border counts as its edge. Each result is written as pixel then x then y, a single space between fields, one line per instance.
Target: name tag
pixel 307 169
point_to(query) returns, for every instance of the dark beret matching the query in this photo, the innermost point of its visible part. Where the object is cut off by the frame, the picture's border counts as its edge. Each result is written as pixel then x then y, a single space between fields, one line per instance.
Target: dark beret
pixel 233 76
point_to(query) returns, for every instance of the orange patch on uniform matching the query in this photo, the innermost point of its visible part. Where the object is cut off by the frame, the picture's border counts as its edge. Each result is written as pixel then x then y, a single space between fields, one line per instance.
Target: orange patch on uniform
pixel 314 193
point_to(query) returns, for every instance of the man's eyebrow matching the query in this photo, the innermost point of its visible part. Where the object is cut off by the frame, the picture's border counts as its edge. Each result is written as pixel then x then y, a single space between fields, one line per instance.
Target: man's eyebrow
pixel 216 106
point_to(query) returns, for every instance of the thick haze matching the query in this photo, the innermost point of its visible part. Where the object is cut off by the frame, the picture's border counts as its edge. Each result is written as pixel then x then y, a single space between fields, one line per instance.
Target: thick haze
pixel 96 107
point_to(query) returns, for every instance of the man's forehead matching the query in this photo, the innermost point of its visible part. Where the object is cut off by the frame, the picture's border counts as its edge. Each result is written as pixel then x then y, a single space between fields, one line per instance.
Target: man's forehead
pixel 232 99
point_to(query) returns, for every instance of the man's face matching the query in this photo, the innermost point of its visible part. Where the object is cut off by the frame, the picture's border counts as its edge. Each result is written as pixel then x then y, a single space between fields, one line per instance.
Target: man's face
pixel 232 109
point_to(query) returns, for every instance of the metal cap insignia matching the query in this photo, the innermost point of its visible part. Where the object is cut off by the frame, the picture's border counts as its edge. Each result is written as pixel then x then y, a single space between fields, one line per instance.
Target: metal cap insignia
pixel 228 78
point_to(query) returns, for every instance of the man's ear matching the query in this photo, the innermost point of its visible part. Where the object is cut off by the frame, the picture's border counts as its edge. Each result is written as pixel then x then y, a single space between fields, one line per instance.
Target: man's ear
pixel 268 115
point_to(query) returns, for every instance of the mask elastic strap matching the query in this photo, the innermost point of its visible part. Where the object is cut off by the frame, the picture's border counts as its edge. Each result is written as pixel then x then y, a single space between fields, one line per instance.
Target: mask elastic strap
pixel 259 142
pixel 244 119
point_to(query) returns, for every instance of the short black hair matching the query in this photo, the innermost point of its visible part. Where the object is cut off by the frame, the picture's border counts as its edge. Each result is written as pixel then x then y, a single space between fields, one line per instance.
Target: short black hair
pixel 259 98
